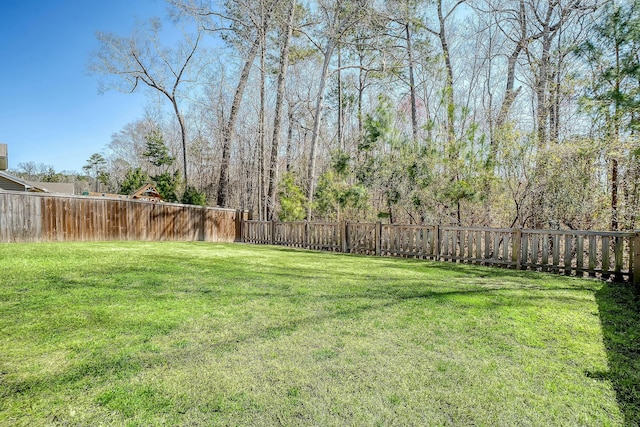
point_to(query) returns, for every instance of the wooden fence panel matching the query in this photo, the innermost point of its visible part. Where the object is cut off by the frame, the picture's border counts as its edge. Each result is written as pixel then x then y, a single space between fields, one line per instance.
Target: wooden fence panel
pixel 406 240
pixel 361 238
pixel 323 236
pixel 580 252
pixel 37 217
pixel 597 254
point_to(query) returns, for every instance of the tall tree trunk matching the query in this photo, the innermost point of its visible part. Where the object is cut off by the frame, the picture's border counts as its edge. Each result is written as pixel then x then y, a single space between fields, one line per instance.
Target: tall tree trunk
pixel 275 141
pixel 361 83
pixel 412 86
pixel 542 98
pixel 614 194
pixel 510 95
pixel 547 33
pixel 261 122
pixel 183 139
pixel 448 89
pixel 616 139
pixel 442 35
pixel 340 110
pixel 328 53
pixel 289 148
pixel 229 128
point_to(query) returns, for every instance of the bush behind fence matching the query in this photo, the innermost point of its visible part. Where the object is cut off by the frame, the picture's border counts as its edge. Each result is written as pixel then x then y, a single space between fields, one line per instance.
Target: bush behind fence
pixel 591 253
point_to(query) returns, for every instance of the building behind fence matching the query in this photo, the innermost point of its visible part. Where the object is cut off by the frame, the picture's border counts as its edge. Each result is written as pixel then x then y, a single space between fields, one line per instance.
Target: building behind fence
pixel 591 253
pixel 37 217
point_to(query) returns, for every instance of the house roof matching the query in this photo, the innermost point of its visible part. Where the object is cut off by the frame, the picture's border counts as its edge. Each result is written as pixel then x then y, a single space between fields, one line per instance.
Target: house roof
pixel 39 187
pixel 4 160
pixel 27 185
pixel 56 187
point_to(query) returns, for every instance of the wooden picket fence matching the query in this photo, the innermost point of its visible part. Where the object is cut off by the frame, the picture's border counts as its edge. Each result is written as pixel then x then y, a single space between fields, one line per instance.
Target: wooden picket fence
pixel 593 253
pixel 32 217
pixel 42 217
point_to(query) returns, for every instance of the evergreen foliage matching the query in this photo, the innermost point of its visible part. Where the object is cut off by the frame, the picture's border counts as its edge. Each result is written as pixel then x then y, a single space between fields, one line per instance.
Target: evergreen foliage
pixel 134 179
pixel 292 199
pixel 192 196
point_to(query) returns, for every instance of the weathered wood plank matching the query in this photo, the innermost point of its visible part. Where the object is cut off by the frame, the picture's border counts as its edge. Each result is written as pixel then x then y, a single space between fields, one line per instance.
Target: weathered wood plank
pixel 556 253
pixel 454 245
pixel 579 254
pixel 605 257
pixel 487 246
pixel 505 247
pixel 567 254
pixel 445 248
pixel 618 257
pixel 534 250
pixel 545 252
pixel 592 256
pixel 520 249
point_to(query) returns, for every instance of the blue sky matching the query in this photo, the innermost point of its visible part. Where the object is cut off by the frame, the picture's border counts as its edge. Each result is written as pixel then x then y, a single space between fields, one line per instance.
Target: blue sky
pixel 50 108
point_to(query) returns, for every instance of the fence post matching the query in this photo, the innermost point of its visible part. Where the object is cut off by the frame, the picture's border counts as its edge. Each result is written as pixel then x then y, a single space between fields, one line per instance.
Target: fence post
pixel 306 235
pixel 343 236
pixel 272 231
pixel 378 238
pixel 516 250
pixel 635 273
pixel 436 243
pixel 239 225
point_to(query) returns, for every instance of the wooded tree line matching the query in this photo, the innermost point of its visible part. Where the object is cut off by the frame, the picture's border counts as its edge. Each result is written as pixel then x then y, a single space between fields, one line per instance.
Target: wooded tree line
pixel 467 112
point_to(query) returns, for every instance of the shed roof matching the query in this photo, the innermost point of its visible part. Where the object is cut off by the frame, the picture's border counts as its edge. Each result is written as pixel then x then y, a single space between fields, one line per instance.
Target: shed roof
pixel 147 191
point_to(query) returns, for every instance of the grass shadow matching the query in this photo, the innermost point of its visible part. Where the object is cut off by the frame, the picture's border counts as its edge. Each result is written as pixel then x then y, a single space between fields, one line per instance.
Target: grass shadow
pixel 619 307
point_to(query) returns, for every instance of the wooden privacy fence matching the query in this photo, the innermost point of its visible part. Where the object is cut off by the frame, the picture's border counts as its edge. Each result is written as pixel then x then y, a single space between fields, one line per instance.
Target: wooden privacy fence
pixel 37 217
pixel 592 253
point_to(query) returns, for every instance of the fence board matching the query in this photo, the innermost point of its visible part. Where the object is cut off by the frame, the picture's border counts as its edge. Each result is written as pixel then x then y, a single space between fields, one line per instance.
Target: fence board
pixel 534 249
pixel 605 257
pixel 592 256
pixel 579 254
pixel 556 253
pixel 567 254
pixel 618 247
pixel 544 242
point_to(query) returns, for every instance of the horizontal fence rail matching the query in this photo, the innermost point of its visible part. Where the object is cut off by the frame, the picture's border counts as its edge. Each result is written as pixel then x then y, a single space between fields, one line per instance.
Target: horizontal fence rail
pixel 593 253
pixel 36 217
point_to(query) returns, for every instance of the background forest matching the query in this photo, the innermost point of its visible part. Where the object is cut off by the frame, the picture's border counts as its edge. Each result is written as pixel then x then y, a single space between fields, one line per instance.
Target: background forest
pixel 496 113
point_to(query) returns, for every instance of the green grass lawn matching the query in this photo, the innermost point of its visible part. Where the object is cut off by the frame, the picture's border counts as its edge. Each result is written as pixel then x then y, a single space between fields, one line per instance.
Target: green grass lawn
pixel 229 334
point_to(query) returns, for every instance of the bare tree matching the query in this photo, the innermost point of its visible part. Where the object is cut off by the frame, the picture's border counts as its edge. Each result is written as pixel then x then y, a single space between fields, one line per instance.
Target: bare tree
pixel 141 58
pixel 441 33
pixel 405 15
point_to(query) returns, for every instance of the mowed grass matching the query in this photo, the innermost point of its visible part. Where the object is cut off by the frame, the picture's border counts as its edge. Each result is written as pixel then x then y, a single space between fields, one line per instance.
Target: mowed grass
pixel 230 334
